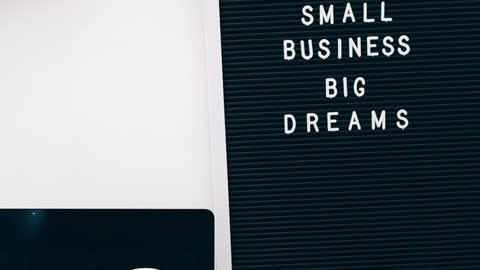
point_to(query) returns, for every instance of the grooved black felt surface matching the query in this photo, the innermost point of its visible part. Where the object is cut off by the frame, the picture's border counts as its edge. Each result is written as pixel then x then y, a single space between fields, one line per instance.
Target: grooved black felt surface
pixel 393 199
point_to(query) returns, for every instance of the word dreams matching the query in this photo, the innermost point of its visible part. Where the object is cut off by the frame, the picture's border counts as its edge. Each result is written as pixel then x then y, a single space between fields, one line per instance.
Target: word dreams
pixel 378 120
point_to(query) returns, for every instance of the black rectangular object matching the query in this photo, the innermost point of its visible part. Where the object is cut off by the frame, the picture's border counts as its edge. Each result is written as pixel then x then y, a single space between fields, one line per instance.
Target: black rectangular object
pixel 106 239
pixel 393 199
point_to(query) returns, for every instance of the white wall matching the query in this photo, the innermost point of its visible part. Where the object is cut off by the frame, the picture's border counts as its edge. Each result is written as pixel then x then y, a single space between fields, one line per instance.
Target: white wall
pixel 103 104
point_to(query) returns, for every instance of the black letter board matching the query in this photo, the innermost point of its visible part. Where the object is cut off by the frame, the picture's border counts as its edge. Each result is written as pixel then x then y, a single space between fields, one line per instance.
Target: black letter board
pixel 398 196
